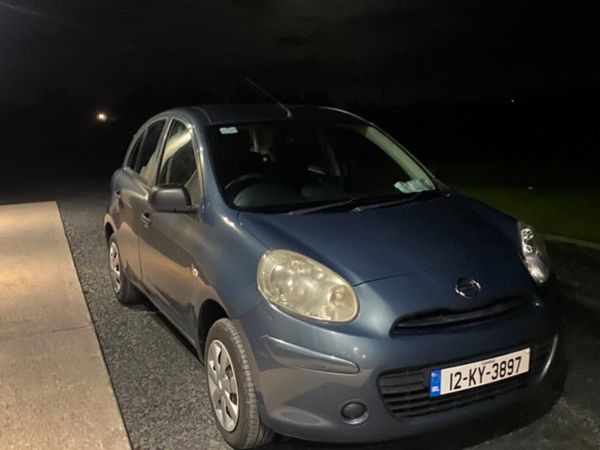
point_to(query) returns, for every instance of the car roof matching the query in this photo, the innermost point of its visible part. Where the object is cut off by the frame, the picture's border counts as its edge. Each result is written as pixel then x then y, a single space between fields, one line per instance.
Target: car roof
pixel 248 113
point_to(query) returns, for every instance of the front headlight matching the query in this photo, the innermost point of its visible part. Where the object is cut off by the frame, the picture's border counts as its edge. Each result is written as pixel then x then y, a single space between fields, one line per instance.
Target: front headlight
pixel 305 287
pixel 534 253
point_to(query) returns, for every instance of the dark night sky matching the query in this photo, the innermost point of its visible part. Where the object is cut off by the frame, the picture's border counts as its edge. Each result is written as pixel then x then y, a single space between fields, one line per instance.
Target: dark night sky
pixel 438 74
pixel 416 51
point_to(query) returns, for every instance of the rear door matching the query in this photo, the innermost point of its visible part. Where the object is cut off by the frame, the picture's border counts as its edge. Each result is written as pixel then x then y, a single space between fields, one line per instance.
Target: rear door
pixel 133 189
pixel 171 239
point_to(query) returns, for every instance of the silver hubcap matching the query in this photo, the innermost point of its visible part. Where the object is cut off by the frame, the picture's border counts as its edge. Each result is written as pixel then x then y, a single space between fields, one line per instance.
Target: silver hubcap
pixel 222 385
pixel 115 266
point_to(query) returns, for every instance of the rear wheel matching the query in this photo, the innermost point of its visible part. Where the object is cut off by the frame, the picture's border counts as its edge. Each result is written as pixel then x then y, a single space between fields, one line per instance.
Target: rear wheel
pixel 231 389
pixel 125 292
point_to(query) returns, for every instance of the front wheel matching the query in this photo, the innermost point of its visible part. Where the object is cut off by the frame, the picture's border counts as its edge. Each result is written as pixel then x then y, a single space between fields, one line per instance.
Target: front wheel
pixel 231 390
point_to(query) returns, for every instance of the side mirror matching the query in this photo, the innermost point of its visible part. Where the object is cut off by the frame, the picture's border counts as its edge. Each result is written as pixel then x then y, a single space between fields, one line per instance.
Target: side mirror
pixel 171 198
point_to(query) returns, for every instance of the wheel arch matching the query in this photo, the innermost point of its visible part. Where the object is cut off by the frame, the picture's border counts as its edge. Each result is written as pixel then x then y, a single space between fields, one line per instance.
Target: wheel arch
pixel 109 227
pixel 210 311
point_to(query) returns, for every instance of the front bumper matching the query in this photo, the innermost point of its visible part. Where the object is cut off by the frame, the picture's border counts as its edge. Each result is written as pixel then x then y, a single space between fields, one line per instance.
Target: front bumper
pixel 305 373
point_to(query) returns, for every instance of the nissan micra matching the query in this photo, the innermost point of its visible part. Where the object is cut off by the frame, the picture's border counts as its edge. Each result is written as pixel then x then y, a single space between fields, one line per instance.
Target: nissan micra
pixel 334 289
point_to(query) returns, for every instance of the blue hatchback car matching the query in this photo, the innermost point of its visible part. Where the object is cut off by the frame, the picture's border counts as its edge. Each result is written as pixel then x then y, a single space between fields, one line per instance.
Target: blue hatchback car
pixel 334 289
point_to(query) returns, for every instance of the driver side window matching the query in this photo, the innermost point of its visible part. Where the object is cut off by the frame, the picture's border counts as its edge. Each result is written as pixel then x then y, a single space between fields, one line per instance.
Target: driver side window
pixel 178 165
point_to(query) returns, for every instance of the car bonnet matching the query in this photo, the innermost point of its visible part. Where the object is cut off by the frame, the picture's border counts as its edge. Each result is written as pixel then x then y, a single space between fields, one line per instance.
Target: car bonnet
pixel 446 231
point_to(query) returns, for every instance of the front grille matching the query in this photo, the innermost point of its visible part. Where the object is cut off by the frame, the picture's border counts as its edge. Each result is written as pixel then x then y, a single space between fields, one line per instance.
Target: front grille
pixel 406 392
pixel 442 319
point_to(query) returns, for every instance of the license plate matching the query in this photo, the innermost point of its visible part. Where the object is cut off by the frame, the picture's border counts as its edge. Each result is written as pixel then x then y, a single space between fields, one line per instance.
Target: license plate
pixel 479 373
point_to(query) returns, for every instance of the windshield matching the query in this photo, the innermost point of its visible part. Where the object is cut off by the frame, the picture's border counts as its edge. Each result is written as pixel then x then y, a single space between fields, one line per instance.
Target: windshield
pixel 279 167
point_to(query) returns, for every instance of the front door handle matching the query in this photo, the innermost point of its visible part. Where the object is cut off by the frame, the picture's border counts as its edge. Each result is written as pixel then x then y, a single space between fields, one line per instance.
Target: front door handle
pixel 146 220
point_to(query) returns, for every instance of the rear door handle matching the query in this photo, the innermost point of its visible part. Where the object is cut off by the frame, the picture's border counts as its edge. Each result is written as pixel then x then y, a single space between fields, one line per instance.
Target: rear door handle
pixel 146 220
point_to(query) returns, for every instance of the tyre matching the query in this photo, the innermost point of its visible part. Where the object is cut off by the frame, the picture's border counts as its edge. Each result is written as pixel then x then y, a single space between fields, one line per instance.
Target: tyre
pixel 125 292
pixel 231 390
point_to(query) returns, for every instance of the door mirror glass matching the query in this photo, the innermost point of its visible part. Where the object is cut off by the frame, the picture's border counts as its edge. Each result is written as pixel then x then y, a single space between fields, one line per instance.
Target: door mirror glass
pixel 171 198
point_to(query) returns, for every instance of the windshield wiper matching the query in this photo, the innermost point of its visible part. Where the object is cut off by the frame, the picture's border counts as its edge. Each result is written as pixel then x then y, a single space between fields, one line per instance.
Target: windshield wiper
pixel 372 202
pixel 325 207
pixel 388 203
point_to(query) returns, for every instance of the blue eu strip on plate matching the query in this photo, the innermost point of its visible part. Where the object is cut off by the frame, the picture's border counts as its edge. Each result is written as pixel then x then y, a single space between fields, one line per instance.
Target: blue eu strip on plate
pixel 435 383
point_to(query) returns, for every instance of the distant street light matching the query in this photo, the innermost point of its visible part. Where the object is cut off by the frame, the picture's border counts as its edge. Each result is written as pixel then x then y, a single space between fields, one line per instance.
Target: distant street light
pixel 512 100
pixel 102 117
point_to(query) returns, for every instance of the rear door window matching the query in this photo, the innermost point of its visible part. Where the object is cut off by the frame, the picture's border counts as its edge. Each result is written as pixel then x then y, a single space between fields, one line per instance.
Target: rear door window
pixel 133 154
pixel 149 151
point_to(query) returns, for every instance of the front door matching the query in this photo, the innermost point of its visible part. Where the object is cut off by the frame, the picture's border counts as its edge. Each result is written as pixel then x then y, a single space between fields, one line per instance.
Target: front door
pixel 169 239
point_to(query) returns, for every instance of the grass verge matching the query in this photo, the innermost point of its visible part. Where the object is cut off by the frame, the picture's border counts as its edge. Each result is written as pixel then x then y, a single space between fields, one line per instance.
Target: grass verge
pixel 573 213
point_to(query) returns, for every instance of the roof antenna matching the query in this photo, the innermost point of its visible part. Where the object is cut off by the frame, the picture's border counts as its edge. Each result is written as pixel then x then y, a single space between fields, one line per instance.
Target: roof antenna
pixel 288 113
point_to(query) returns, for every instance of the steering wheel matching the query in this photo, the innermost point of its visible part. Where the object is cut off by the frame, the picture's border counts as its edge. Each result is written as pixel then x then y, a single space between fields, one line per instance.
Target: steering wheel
pixel 234 187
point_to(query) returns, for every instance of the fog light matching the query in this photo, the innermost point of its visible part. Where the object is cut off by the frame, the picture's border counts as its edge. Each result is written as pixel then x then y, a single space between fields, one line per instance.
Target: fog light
pixel 354 412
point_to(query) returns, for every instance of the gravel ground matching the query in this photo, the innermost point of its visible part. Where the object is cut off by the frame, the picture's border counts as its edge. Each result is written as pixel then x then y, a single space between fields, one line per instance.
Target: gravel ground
pixel 159 382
